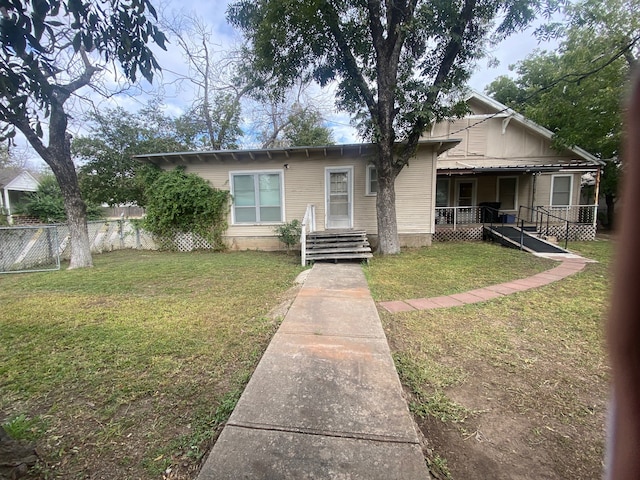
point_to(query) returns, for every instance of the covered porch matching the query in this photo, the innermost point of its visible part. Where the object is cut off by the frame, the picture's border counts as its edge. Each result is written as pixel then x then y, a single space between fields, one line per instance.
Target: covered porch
pixel 468 198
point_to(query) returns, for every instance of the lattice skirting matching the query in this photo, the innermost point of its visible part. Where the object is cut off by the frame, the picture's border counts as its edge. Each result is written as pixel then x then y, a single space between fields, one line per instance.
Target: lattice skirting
pixel 577 233
pixel 463 234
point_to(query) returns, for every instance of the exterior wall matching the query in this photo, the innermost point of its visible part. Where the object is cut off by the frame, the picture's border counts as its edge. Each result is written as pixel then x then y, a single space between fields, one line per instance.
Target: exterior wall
pixel 484 144
pixel 304 183
pixel 543 187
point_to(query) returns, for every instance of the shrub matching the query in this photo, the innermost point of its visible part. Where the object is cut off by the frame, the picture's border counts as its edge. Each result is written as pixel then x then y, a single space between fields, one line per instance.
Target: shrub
pixel 180 202
pixel 289 233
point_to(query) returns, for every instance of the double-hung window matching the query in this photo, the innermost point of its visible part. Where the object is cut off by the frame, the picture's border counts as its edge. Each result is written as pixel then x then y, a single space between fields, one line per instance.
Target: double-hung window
pixel 372 180
pixel 561 186
pixel 257 197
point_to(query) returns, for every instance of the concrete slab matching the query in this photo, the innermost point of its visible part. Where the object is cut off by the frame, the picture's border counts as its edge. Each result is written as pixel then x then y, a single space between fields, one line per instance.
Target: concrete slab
pixel 485 293
pixel 328 315
pixel 339 276
pixel 325 401
pixel 396 306
pixel 340 386
pixel 467 297
pixel 446 301
pixel 423 304
pixel 243 453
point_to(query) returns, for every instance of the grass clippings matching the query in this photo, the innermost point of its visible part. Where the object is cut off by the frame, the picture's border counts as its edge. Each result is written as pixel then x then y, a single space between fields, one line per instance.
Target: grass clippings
pixel 129 369
pixel 514 387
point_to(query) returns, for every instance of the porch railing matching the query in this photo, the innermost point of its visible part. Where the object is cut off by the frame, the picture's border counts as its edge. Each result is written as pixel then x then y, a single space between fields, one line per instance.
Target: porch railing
pixel 577 214
pixel 308 226
pixel 574 214
pixel 454 216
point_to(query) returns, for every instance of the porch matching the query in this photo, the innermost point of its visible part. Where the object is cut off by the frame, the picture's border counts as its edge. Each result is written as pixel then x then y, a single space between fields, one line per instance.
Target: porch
pixel 572 222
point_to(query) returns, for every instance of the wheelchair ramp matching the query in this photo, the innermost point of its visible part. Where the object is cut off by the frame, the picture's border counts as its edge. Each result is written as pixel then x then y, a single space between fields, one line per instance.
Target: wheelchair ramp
pixel 511 236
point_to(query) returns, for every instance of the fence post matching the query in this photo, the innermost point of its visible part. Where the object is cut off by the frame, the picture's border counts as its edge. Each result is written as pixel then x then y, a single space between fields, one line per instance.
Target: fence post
pixel 566 235
pixel 521 233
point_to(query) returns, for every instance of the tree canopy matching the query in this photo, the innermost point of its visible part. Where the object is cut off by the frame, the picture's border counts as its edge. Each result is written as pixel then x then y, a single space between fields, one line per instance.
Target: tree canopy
pixel 577 91
pixel 398 65
pixel 49 51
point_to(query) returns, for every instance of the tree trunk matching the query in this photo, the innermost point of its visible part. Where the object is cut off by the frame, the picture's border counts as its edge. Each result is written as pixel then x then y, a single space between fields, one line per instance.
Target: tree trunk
pixel 610 200
pixel 58 157
pixel 388 241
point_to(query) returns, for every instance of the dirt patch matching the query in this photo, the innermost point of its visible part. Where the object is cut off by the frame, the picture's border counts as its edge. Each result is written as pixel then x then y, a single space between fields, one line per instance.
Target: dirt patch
pixel 520 427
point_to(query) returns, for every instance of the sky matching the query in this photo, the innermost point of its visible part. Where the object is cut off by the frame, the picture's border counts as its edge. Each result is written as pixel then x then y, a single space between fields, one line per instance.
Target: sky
pixel 179 94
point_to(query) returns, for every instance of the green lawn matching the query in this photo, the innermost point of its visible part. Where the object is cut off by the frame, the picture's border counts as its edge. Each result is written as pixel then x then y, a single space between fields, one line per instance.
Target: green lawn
pixel 508 387
pixel 126 369
pixel 448 267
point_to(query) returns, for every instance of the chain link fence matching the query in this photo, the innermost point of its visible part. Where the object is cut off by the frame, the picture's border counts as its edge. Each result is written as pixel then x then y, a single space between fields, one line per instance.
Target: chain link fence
pixel 41 248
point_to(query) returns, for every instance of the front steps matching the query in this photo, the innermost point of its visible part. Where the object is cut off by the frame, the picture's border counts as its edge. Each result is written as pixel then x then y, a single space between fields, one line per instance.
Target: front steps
pixel 338 245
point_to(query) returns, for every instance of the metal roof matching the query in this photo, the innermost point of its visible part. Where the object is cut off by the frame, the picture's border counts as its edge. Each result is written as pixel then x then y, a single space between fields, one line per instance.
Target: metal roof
pixel 468 169
pixel 284 154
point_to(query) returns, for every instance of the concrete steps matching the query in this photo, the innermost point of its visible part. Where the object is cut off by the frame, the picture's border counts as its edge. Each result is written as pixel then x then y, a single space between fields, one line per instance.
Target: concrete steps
pixel 338 245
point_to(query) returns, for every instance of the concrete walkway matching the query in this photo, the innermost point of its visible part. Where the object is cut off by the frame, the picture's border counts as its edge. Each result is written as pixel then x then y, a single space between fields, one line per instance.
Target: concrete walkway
pixel 325 401
pixel 570 264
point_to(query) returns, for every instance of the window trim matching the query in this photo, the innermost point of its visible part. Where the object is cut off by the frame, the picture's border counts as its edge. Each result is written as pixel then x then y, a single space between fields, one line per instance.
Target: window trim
pixel 515 193
pixel 368 191
pixel 553 180
pixel 283 215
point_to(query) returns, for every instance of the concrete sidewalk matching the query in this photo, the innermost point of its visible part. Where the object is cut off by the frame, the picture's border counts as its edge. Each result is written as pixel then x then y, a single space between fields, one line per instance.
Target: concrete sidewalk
pixel 325 401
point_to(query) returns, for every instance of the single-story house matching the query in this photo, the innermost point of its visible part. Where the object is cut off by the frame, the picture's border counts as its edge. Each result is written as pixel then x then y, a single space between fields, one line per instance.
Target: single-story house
pixel 273 186
pixel 506 161
pixel 494 157
pixel 14 186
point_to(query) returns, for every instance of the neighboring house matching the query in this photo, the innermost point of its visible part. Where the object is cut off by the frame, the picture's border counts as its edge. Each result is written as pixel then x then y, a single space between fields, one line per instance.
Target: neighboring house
pixel 506 161
pixel 273 186
pixel 14 186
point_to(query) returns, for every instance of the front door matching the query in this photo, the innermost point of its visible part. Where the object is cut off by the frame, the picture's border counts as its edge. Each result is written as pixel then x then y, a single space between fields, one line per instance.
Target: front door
pixel 466 201
pixel 339 197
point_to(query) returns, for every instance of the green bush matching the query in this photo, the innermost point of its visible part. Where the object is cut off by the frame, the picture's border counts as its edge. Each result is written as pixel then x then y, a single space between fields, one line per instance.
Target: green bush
pixel 180 202
pixel 47 203
pixel 289 233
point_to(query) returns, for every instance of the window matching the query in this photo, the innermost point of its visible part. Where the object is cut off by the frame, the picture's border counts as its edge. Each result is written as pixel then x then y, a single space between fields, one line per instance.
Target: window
pixel 561 190
pixel 257 197
pixel 372 180
pixel 442 192
pixel 508 193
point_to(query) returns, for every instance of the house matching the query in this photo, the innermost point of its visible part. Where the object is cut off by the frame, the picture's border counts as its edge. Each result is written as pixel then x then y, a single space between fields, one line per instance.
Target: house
pixel 505 161
pixel 335 185
pixel 14 186
pixel 491 165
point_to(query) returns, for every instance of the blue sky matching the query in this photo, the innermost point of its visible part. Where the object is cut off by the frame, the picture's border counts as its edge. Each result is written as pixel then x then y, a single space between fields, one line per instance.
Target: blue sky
pixel 508 52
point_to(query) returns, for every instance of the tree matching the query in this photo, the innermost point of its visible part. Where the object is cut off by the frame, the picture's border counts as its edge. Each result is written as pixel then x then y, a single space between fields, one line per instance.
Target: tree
pixel 214 116
pixel 47 203
pixel 398 65
pixel 305 129
pixel 576 92
pixel 108 173
pixel 50 51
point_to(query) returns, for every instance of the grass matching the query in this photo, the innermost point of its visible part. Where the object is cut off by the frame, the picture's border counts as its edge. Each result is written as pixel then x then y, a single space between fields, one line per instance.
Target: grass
pixel 446 268
pixel 129 368
pixel 534 360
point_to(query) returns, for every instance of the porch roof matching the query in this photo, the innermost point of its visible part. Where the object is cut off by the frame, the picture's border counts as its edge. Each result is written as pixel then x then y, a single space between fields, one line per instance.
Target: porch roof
pixel 284 154
pixel 470 169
